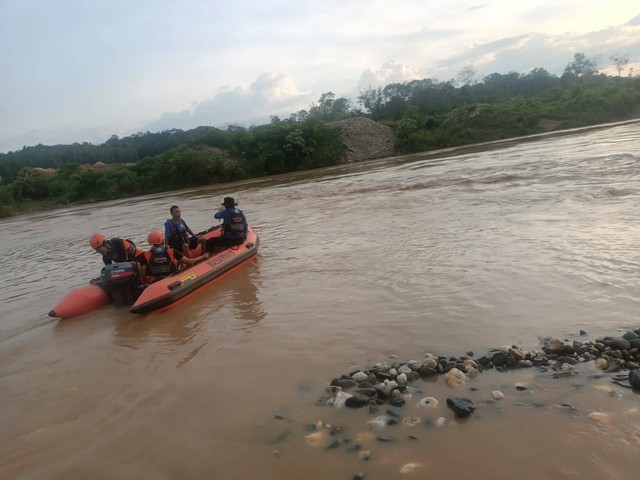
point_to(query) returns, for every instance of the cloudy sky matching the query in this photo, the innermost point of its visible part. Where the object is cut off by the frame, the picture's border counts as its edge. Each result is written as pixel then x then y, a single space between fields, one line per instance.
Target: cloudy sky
pixel 82 70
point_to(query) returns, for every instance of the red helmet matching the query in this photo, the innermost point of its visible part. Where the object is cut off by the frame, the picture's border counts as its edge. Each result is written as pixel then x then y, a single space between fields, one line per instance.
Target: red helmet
pixel 155 237
pixel 96 240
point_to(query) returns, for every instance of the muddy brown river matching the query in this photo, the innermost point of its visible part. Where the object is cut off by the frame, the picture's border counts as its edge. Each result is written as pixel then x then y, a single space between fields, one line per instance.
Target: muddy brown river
pixel 445 253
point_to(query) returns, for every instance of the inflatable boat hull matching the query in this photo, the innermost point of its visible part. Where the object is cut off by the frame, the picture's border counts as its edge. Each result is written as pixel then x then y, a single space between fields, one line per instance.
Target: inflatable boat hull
pixel 171 289
pixel 80 301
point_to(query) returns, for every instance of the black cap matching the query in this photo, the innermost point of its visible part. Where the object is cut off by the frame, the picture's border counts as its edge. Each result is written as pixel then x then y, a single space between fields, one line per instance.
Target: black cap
pixel 229 202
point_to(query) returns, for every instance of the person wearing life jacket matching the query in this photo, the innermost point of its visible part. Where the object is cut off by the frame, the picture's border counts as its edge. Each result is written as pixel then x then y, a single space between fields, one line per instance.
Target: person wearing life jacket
pixel 176 232
pixel 161 261
pixel 234 226
pixel 115 250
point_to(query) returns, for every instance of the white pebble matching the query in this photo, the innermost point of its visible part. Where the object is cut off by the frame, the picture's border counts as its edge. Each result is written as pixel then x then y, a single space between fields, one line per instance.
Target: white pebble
pixel 341 397
pixel 497 395
pixel 377 423
pixel 360 377
pixel 429 402
pixel 411 468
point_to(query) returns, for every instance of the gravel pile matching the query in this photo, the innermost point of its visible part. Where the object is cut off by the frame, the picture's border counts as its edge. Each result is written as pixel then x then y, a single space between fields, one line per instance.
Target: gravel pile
pixel 389 382
pixel 365 139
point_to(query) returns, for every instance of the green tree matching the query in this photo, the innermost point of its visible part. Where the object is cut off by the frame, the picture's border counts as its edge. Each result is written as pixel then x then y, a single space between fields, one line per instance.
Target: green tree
pixel 581 66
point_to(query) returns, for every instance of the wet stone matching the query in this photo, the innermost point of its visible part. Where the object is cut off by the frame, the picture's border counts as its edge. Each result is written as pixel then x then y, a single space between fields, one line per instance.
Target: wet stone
pixel 554 346
pixel 630 335
pixel 369 392
pixel 484 361
pixel 356 401
pixel 397 402
pixel 426 371
pixel 462 407
pixel 614 366
pixel 345 383
pixel 334 444
pixel 567 359
pixel 360 377
pixel 359 476
pixel 634 379
pixel 499 359
pixel 618 344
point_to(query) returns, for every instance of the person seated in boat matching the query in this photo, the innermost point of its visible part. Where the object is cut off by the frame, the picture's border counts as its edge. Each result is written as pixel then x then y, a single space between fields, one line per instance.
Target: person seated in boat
pixel 115 250
pixel 234 226
pixel 161 261
pixel 177 233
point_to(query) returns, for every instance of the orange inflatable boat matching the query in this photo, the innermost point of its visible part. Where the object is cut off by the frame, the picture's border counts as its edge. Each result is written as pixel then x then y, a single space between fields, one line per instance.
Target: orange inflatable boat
pixel 119 284
pixel 170 289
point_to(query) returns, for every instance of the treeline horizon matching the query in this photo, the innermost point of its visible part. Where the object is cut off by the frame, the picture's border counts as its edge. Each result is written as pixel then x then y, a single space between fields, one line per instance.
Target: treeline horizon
pixel 425 114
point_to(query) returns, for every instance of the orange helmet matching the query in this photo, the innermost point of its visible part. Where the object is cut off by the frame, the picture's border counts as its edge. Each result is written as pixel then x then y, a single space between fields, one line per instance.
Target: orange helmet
pixel 96 240
pixel 155 237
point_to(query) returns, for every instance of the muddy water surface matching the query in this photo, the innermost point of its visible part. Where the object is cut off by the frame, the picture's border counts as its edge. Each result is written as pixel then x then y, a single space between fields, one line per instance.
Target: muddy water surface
pixel 444 253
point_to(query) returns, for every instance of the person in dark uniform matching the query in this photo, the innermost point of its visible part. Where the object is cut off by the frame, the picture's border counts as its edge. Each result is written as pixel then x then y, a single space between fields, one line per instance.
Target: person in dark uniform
pixel 234 226
pixel 115 250
pixel 177 233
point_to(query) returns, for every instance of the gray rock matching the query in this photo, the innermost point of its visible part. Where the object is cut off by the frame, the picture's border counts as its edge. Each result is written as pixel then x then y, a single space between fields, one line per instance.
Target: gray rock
pixel 427 371
pixel 462 407
pixel 356 401
pixel 630 335
pixel 634 379
pixel 499 359
pixel 618 344
pixel 554 346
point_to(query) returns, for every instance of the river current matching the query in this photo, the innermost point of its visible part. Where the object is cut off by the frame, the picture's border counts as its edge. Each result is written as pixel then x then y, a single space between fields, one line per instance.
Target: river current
pixel 447 252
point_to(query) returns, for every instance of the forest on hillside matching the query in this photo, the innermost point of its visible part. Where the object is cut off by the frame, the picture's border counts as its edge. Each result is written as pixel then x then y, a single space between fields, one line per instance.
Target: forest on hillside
pixel 425 114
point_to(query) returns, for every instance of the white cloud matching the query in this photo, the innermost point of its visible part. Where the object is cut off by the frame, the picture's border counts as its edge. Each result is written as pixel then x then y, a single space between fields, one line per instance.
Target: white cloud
pixel 391 71
pixel 270 94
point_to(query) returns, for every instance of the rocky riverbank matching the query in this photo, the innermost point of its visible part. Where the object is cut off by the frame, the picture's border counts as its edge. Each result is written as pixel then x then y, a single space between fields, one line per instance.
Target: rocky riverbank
pixel 390 382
